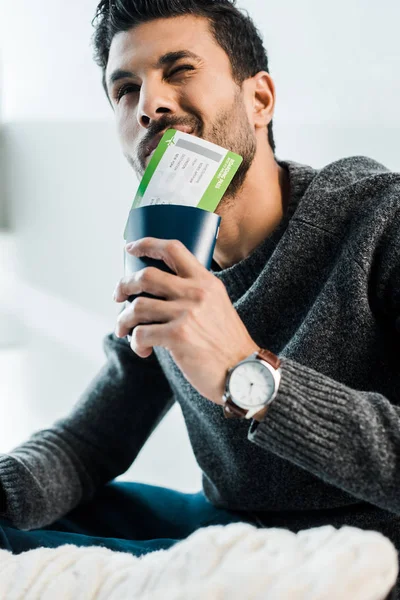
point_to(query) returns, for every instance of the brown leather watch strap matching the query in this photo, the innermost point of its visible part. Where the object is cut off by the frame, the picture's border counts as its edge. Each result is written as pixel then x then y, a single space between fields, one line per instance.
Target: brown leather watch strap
pixel 269 357
pixel 231 411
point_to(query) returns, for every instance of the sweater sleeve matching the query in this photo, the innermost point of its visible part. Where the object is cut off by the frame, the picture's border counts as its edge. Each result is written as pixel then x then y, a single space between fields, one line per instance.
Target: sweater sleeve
pixel 346 437
pixel 61 467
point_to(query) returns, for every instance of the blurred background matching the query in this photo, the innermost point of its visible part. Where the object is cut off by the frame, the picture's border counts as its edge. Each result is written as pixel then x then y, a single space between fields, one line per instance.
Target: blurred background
pixel 65 188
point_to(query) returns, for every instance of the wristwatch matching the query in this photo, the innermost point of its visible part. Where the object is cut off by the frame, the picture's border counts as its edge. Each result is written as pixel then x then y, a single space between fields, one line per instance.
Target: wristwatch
pixel 251 386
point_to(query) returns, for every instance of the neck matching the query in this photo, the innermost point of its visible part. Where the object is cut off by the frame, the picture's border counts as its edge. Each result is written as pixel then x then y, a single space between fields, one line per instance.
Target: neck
pixel 255 212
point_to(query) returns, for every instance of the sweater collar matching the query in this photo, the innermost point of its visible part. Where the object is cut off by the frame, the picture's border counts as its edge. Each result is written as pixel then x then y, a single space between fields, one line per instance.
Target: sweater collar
pixel 240 276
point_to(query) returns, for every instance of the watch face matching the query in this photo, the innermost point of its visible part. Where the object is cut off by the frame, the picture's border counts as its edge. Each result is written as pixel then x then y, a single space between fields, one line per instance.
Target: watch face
pixel 251 384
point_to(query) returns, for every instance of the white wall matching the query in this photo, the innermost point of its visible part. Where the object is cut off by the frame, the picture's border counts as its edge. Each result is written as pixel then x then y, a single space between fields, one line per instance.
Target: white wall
pixel 4 219
pixel 336 68
pixel 48 72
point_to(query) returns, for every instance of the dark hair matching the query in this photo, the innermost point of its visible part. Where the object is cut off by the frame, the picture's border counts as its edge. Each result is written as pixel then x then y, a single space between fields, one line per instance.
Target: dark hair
pixel 233 30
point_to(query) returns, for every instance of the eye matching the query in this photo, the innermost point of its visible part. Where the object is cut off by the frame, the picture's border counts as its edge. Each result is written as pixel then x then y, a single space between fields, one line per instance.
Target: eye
pixel 181 68
pixel 126 89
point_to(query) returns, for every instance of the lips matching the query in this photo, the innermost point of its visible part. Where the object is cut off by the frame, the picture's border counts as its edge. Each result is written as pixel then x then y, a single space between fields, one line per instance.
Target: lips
pixel 153 144
pixel 157 138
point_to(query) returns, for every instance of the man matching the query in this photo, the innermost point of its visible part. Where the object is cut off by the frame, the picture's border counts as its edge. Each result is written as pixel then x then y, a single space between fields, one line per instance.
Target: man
pixel 305 283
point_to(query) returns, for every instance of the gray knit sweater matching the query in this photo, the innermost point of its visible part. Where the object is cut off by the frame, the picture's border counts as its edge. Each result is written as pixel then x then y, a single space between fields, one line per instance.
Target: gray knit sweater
pixel 322 292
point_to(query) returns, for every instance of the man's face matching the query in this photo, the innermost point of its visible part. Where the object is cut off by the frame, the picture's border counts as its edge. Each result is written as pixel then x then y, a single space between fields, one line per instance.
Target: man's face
pixel 171 73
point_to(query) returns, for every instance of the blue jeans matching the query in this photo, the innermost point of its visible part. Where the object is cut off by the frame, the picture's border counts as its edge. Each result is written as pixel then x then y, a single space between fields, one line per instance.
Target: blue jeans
pixel 127 517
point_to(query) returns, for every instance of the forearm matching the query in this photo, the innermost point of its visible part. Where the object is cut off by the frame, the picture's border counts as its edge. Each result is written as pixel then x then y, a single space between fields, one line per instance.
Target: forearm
pixel 60 467
pixel 349 439
pixel 41 482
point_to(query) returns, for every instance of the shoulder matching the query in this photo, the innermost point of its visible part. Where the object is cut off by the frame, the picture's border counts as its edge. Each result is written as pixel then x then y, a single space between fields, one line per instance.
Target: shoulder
pixel 358 173
pixel 351 189
pixel 352 169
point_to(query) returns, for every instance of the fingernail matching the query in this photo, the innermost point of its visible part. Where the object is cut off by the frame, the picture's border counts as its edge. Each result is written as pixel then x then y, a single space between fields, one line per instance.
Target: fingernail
pixel 130 246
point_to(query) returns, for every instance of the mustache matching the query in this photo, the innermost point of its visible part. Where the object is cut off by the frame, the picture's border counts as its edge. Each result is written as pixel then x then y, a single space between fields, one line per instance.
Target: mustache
pixel 161 125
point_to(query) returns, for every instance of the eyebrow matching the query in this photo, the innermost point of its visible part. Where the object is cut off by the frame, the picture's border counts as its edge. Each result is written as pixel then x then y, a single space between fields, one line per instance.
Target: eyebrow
pixel 167 59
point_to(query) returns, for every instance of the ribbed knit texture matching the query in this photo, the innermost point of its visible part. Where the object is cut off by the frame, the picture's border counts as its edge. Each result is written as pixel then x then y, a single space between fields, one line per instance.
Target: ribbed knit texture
pixel 322 292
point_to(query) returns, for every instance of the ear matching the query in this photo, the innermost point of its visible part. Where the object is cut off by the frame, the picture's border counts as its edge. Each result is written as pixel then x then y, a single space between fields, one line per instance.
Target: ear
pixel 263 99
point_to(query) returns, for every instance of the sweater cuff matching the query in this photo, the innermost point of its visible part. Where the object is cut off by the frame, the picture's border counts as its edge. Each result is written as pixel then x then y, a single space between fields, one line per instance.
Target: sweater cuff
pixel 305 421
pixel 10 482
pixel 3 501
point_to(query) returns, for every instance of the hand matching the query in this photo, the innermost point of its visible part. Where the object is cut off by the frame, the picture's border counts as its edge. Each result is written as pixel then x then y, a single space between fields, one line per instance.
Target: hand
pixel 196 321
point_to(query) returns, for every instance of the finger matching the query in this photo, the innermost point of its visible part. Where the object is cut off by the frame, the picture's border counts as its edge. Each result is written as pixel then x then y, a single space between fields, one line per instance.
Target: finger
pixel 145 337
pixel 144 310
pixel 175 255
pixel 150 280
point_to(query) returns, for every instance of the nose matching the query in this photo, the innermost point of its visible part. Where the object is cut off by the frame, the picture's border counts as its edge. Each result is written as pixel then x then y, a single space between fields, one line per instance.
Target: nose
pixel 156 100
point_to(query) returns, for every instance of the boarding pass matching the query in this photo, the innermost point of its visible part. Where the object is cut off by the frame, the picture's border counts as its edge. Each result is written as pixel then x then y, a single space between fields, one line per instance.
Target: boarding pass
pixel 188 171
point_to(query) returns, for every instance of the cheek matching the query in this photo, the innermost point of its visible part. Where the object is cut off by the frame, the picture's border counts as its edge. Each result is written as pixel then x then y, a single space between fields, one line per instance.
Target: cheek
pixel 248 110
pixel 202 95
pixel 127 127
pixel 209 98
pixel 199 105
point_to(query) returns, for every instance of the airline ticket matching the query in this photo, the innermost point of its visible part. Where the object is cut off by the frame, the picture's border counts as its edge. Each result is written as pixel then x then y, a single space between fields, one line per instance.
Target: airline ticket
pixel 188 171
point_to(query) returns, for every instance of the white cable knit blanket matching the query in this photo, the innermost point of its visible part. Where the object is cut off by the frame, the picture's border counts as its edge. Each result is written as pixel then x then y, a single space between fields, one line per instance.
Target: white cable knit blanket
pixel 235 562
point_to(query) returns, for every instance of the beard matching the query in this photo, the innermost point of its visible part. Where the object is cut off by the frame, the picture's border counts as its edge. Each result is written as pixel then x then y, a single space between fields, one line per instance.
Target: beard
pixel 230 129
